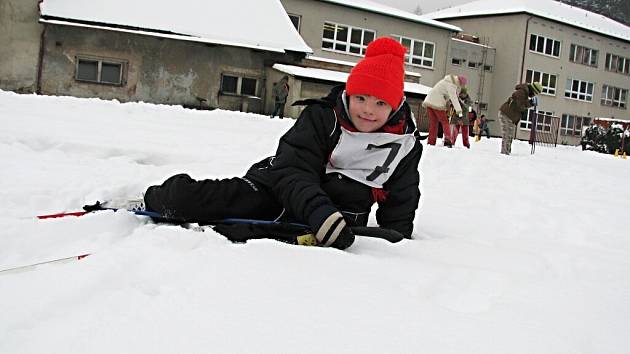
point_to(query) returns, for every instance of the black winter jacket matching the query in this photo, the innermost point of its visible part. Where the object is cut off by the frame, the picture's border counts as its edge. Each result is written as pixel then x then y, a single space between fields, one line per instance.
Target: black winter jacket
pixel 297 174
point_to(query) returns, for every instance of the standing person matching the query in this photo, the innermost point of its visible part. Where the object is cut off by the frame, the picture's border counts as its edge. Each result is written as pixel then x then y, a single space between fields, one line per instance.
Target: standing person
pixel 483 127
pixel 511 111
pixel 280 93
pixel 354 148
pixel 462 122
pixel 436 104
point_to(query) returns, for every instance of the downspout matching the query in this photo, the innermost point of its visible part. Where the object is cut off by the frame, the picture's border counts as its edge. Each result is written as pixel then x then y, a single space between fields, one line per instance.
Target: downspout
pixel 516 128
pixel 524 48
pixel 42 49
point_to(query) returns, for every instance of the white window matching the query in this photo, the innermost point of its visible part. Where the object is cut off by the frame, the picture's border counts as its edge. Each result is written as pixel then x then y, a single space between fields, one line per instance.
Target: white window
pixel 419 53
pixel 579 90
pixel 473 65
pixel 346 39
pixel 572 124
pixel 102 71
pixel 543 45
pixel 617 64
pixel 543 120
pixel 296 20
pixel 238 85
pixel 548 81
pixel 614 96
pixel 582 55
pixel 457 61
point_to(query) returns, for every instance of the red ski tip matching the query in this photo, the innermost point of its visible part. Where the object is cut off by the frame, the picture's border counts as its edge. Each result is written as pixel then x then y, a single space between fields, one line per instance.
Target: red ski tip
pixel 61 215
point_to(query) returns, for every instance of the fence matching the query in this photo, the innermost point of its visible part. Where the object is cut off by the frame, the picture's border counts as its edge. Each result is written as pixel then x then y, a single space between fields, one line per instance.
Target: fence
pixel 544 130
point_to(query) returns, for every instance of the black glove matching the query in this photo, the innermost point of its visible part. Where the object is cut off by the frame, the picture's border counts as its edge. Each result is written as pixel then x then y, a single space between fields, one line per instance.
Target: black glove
pixel 334 232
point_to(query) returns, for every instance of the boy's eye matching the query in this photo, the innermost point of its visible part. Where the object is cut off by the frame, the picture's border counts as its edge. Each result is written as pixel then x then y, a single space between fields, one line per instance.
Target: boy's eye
pixel 381 103
pixel 360 98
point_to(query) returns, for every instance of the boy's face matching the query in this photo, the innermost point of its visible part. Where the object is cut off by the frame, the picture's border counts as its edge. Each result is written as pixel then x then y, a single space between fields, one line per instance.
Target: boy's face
pixel 368 113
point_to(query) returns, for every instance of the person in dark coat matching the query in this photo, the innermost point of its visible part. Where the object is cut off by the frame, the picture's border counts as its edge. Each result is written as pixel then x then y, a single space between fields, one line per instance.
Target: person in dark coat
pixel 347 151
pixel 512 110
pixel 280 93
pixel 483 127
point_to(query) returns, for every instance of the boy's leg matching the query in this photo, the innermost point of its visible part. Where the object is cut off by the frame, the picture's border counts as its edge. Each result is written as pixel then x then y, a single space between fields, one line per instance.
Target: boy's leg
pixel 433 122
pixel 454 132
pixel 281 110
pixel 185 199
pixel 441 115
pixel 487 130
pixel 465 136
pixel 507 133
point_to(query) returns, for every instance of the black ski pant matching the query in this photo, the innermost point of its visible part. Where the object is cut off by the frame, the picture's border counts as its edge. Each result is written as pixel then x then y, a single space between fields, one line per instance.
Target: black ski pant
pixel 182 198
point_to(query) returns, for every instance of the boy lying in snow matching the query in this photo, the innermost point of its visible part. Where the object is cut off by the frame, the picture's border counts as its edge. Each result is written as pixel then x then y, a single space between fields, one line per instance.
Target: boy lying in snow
pixel 355 147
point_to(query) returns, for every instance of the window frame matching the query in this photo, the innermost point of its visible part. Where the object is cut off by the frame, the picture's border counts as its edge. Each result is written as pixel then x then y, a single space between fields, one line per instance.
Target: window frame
pixel 348 44
pixel 578 54
pixel 573 129
pixel 569 92
pixel 410 55
pixel 539 76
pixel 99 71
pixel 625 67
pixel 239 85
pixel 545 41
pixel 620 102
pixel 299 20
pixel 544 126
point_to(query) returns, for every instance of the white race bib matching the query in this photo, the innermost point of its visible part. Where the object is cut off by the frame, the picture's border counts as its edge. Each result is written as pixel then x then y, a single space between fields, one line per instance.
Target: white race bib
pixel 369 158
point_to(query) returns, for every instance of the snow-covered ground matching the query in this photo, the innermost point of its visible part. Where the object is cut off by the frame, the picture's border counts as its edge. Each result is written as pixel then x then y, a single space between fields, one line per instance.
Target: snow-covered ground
pixel 519 254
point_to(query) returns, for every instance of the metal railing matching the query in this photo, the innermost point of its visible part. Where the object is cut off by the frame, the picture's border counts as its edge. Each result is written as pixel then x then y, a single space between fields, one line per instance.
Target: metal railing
pixel 544 130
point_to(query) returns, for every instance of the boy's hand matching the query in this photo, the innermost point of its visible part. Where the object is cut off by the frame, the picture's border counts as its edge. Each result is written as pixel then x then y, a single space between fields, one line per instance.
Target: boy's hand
pixel 334 232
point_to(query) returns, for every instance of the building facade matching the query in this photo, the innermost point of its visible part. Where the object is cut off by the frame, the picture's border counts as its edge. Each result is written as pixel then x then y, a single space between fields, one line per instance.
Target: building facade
pixel 585 73
pixel 339 31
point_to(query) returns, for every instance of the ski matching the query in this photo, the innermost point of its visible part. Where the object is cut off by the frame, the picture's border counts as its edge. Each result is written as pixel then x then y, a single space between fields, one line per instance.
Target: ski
pixel 223 226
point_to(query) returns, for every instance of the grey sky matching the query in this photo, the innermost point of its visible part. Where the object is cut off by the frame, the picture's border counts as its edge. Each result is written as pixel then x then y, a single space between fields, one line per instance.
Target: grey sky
pixel 426 5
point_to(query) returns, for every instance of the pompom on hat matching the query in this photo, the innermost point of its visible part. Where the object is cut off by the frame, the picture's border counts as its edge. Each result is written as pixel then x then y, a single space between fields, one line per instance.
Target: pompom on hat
pixel 536 87
pixel 462 80
pixel 381 73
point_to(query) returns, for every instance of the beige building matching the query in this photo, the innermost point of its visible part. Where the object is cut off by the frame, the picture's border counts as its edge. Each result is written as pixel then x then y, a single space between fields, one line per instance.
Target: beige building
pixel 582 59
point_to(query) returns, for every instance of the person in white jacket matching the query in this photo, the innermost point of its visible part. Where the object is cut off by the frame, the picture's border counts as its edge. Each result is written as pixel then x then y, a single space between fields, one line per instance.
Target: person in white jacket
pixel 436 104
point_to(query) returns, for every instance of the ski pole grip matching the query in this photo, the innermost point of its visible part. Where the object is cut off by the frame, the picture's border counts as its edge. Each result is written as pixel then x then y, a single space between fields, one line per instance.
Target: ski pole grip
pixel 387 234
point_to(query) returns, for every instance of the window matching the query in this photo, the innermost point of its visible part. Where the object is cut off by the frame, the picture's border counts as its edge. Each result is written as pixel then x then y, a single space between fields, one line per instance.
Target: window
pixel 572 124
pixel 99 70
pixel 457 61
pixel 543 121
pixel 542 45
pixel 487 68
pixel 617 64
pixel 419 53
pixel 237 85
pixel 614 96
pixel 583 55
pixel 579 90
pixel 296 20
pixel 346 39
pixel 473 65
pixel 483 106
pixel 548 81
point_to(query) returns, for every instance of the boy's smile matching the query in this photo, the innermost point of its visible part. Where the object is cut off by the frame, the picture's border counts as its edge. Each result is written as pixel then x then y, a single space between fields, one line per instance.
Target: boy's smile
pixel 368 113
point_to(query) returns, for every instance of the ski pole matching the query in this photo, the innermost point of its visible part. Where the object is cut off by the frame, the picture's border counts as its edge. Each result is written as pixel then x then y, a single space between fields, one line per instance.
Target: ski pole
pixel 31 266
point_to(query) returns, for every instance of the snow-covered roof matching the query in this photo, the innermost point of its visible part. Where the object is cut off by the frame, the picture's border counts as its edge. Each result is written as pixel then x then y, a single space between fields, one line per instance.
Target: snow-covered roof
pixel 374 7
pixel 259 24
pixel 548 9
pixel 338 76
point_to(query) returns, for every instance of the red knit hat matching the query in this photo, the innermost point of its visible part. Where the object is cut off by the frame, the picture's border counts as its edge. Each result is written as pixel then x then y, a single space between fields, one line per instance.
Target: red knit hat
pixel 381 73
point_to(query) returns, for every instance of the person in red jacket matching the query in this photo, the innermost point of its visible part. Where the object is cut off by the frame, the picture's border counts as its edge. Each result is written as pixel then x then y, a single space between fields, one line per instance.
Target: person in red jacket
pixel 354 148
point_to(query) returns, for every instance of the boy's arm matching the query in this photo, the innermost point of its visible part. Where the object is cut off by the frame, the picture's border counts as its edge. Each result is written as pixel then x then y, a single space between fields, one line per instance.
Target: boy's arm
pixel 454 98
pixel 299 164
pixel 399 209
